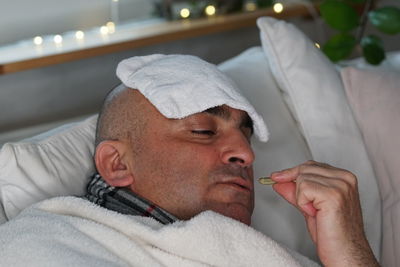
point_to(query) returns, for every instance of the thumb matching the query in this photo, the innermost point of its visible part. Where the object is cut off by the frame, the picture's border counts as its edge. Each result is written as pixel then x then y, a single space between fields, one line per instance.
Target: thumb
pixel 309 209
pixel 287 191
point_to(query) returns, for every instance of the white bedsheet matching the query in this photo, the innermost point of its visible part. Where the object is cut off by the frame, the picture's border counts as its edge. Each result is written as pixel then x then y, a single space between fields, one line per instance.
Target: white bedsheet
pixel 69 231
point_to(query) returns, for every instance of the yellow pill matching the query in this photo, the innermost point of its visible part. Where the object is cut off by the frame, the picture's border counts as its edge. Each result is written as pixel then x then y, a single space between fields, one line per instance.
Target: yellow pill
pixel 266 181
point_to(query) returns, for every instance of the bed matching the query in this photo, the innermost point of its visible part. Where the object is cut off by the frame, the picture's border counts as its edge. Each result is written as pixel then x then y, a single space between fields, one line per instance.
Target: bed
pixel 345 115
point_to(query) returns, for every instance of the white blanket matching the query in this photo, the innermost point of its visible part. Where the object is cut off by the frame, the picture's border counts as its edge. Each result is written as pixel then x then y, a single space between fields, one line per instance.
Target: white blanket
pixel 69 231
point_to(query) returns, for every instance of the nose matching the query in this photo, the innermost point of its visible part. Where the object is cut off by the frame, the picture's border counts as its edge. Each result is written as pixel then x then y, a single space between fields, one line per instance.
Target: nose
pixel 237 150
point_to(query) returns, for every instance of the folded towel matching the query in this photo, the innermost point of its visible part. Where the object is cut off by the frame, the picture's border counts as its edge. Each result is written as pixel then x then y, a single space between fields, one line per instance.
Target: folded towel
pixel 70 231
pixel 182 85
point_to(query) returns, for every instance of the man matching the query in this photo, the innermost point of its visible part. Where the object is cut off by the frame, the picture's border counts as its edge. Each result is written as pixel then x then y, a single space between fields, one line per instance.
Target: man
pixel 173 143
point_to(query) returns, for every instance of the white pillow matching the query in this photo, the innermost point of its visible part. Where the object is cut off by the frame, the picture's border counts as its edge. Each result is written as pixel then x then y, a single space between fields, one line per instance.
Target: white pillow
pixel 285 148
pixel 320 105
pixel 56 163
pixel 374 97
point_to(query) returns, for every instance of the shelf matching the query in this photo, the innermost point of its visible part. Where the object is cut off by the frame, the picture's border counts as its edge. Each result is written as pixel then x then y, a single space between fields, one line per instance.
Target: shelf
pixel 26 55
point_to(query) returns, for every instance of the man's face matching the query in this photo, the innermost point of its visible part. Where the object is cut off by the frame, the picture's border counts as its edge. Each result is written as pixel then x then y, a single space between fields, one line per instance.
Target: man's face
pixel 202 162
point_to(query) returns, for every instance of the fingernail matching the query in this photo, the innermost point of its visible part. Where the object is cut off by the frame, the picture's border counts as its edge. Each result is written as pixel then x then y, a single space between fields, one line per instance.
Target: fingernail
pixel 278 174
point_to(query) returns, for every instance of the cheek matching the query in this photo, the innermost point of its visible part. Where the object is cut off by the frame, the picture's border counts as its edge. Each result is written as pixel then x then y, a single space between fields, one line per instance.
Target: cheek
pixel 187 158
pixel 189 167
pixel 172 166
pixel 178 180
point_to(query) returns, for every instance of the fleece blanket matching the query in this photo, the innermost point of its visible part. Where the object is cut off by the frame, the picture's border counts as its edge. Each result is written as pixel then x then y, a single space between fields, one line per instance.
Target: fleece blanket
pixel 70 231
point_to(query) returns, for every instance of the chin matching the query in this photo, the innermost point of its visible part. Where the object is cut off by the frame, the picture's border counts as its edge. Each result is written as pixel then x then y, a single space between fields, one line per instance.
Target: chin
pixel 246 220
pixel 238 213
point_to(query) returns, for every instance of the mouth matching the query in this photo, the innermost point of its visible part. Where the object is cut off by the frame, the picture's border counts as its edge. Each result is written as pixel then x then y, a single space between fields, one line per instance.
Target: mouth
pixel 239 183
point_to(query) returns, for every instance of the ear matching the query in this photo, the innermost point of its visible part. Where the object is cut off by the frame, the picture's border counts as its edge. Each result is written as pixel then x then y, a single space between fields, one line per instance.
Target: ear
pixel 111 160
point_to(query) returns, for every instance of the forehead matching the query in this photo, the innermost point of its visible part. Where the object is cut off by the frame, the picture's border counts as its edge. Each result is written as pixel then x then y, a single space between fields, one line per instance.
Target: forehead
pixel 227 113
pixel 223 112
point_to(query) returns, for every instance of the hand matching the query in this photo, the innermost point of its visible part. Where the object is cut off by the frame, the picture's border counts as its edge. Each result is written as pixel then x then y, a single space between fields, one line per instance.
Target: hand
pixel 328 198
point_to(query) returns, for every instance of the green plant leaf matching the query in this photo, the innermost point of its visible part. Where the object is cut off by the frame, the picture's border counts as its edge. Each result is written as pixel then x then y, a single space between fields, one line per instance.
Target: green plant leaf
pixel 386 19
pixel 373 51
pixel 339 15
pixel 339 46
pixel 371 39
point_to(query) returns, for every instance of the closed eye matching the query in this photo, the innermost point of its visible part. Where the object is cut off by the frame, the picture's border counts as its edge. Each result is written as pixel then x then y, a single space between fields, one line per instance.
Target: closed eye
pixel 203 132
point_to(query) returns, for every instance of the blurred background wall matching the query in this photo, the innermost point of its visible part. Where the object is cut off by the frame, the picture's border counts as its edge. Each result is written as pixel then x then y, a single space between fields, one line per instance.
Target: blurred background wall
pixel 35 100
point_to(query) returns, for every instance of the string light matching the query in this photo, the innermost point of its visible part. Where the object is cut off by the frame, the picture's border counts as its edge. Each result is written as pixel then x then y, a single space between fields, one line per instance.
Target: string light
pixel 185 13
pixel 104 30
pixel 278 7
pixel 79 35
pixel 110 26
pixel 210 10
pixel 57 39
pixel 250 6
pixel 317 45
pixel 38 40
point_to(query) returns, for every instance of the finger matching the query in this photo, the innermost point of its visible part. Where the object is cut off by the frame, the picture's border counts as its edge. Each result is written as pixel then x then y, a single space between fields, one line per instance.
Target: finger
pixel 316 178
pixel 287 175
pixel 312 190
pixel 287 191
pixel 340 186
pixel 321 169
pixel 291 174
pixel 312 227
pixel 308 208
pixel 307 194
pixel 327 170
pixel 320 164
pixel 316 168
pixel 325 194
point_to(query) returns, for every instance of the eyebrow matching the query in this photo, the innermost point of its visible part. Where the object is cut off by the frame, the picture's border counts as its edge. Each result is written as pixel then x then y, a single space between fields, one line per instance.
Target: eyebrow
pixel 225 114
pixel 219 112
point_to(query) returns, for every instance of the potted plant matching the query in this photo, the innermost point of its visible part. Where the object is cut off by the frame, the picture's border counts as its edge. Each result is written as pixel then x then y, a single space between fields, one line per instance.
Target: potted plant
pixel 342 16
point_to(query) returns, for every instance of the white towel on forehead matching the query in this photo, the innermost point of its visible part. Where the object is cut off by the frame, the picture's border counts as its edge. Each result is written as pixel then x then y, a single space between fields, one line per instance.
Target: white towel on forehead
pixel 182 85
